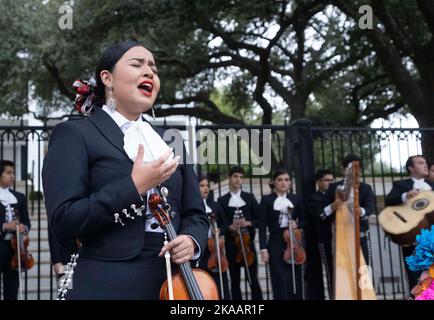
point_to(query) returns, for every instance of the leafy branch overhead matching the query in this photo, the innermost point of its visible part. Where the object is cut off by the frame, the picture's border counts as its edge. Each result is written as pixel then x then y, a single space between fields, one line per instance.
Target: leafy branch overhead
pixel 232 61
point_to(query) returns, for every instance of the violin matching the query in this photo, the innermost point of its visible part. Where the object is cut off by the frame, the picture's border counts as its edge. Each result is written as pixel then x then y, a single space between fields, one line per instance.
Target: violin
pixel 22 258
pixel 242 243
pixel 217 260
pixel 189 284
pixel 217 257
pixel 294 252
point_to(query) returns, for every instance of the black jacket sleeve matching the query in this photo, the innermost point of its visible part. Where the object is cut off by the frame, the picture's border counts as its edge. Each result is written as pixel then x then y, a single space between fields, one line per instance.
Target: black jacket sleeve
pixel 24 213
pixel 55 250
pixel 299 212
pixel 368 200
pixel 194 220
pixel 72 212
pixel 254 211
pixel 222 219
pixel 315 208
pixel 2 220
pixel 263 207
pixel 394 196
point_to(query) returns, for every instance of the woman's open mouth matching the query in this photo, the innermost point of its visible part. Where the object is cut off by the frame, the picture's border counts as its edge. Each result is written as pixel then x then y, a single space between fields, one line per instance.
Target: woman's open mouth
pixel 146 88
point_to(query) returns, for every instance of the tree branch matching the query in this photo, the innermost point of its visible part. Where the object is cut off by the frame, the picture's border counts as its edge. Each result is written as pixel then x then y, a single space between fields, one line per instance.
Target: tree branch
pixel 52 69
pixel 427 9
pixel 390 58
pixel 211 112
pixel 381 113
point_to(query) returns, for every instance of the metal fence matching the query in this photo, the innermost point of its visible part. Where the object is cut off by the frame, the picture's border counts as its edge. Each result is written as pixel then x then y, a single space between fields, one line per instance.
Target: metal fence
pixel 299 147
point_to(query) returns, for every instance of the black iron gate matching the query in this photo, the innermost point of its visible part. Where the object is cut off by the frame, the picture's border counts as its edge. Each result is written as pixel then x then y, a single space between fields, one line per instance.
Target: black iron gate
pixel 299 147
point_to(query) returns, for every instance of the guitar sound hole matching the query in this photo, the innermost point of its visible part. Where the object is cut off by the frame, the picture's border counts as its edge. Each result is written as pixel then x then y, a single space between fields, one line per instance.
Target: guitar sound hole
pixel 420 204
pixel 400 217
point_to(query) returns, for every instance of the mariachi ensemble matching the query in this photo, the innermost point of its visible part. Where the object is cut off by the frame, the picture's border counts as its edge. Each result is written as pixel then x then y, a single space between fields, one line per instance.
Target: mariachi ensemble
pixel 129 217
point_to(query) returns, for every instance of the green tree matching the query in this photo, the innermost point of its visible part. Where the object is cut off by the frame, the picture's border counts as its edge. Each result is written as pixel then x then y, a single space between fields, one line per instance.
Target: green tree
pixel 403 40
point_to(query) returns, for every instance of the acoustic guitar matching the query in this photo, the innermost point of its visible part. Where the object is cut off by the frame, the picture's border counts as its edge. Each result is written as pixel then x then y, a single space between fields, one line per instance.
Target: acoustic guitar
pixel 404 222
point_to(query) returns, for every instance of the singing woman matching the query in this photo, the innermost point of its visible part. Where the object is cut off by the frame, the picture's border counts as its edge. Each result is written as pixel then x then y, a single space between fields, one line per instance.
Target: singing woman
pixel 279 211
pixel 99 172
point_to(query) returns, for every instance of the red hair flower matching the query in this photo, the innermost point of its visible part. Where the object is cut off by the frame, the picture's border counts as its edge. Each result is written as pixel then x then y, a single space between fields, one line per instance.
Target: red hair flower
pixel 85 97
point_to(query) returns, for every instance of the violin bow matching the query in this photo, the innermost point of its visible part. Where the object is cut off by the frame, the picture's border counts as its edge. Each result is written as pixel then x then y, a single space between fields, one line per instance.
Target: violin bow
pixel 246 265
pixel 217 246
pixel 168 269
pixel 19 261
pixel 294 288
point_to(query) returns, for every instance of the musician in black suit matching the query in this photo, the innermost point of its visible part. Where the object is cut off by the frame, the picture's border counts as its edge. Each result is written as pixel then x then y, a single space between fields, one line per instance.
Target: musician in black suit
pixel 246 202
pixel 366 201
pixel 100 171
pixel 403 190
pixel 13 213
pixel 320 254
pixel 275 216
pixel 214 211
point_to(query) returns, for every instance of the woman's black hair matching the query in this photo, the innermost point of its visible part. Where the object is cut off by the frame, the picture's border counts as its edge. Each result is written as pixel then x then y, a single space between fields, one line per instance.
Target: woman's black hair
pixel 107 62
pixel 201 177
pixel 277 173
pixel 281 171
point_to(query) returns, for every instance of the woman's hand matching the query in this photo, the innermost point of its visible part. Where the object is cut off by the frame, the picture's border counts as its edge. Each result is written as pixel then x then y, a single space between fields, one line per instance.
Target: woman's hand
pixel 147 176
pixel 59 268
pixel 264 256
pixel 181 249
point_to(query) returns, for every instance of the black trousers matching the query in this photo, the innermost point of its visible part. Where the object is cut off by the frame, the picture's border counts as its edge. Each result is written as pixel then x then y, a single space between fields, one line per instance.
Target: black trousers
pixel 235 271
pixel 10 277
pixel 313 267
pixel 412 276
pixel 282 273
pixel 137 279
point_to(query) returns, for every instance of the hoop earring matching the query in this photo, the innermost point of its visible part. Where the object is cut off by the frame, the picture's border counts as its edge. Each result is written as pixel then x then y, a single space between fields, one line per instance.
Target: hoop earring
pixel 111 103
pixel 153 113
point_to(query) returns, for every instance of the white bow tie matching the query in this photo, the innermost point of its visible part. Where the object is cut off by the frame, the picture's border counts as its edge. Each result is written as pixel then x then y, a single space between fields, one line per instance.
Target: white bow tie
pixel 6 197
pixel 236 201
pixel 140 132
pixel 282 203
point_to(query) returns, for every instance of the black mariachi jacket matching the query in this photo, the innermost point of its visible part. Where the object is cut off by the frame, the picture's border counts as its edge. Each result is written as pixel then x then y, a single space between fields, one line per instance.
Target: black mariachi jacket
pixel 399 187
pixel 87 180
pixel 314 209
pixel 268 217
pixel 250 211
pixel 20 211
